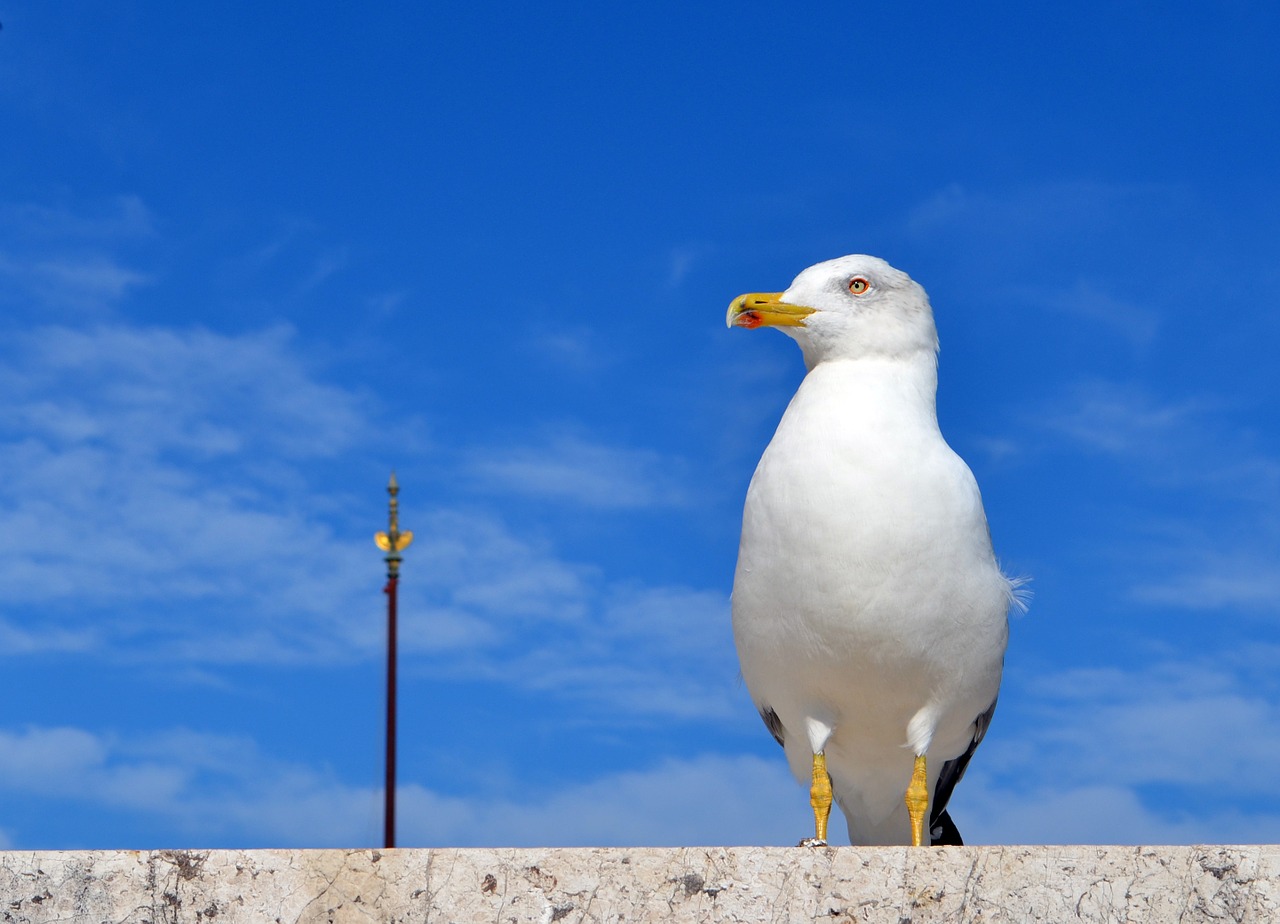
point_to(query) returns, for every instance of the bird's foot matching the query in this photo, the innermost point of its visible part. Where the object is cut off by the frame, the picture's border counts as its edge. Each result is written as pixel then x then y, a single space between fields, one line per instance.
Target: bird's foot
pixel 917 800
pixel 812 842
pixel 820 798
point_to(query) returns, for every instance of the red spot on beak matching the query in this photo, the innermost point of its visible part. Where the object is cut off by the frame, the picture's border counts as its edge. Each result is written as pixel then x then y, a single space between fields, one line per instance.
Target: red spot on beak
pixel 748 319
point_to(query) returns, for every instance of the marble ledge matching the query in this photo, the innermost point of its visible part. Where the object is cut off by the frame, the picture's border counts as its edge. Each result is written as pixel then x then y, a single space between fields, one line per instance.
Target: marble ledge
pixel 638 885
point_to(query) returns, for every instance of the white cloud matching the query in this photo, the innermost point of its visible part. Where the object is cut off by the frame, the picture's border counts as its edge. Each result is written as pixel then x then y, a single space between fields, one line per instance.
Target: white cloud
pixel 1034 212
pixel 1216 543
pixel 1089 300
pixel 1165 754
pixel 483 567
pixel 220 790
pixel 1098 814
pixel 20 640
pixel 112 220
pixel 682 260
pixel 1175 723
pixel 524 618
pixel 710 799
pixel 61 259
pixel 1213 580
pixel 1168 754
pixel 144 391
pixel 73 281
pixel 323 267
pixel 1122 420
pixel 576 349
pixel 83 282
pixel 670 621
pixel 285 235
pixel 575 470
pixel 48 760
pixel 158 509
pixel 161 507
pixel 165 468
pixel 1202 441
pixel 998 448
pixel 198 782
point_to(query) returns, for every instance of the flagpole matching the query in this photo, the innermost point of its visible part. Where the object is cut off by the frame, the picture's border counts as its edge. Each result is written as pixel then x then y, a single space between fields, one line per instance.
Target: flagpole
pixel 393 542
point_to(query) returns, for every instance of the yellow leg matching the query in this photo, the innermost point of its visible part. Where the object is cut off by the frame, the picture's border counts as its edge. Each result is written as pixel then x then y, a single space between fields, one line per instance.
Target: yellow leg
pixel 820 795
pixel 918 801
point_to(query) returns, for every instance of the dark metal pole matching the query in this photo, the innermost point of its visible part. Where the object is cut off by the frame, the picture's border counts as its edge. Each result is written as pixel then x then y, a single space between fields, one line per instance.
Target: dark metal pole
pixel 393 542
pixel 389 807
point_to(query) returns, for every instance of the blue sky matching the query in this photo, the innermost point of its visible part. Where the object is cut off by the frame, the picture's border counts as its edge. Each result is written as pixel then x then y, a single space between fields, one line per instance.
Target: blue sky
pixel 254 257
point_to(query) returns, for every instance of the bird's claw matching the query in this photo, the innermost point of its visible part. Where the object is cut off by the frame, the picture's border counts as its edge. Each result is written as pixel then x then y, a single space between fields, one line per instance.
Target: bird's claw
pixel 812 842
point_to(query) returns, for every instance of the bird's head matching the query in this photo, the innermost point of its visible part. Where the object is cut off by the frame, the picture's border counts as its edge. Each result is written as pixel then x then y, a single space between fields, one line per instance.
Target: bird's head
pixel 848 308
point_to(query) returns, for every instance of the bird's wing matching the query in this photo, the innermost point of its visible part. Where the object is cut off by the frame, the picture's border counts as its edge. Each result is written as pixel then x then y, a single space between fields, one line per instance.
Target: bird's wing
pixel 954 769
pixel 774 724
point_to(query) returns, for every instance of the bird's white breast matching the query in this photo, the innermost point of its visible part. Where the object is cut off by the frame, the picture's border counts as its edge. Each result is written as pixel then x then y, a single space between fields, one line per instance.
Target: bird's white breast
pixel 866 584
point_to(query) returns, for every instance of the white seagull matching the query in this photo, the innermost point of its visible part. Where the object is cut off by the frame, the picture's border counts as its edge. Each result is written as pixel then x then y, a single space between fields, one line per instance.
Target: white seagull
pixel 869 611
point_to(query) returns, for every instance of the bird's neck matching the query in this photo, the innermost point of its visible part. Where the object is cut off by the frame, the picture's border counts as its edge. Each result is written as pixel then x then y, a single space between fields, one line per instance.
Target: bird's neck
pixel 905 385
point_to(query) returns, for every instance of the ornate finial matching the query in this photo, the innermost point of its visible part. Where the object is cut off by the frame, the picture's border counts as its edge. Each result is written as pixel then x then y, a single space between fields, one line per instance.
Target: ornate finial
pixel 393 541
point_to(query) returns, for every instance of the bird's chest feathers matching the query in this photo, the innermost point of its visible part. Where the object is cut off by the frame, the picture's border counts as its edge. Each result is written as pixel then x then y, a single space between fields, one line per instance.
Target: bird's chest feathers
pixel 859 460
pixel 859 509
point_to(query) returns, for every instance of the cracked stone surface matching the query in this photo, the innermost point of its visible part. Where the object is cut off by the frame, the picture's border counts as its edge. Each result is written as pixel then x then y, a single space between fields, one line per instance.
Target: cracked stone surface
pixel 713 884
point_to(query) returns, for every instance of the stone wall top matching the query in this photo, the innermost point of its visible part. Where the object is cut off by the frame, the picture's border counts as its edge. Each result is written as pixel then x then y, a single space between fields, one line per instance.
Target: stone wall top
pixel 712 884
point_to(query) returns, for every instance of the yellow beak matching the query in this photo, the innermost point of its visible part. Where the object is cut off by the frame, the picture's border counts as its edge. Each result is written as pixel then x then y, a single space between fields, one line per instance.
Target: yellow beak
pixel 765 309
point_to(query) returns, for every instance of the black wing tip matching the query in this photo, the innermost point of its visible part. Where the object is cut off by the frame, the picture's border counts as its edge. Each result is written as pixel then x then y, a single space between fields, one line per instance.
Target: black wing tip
pixel 944 833
pixel 953 770
pixel 774 724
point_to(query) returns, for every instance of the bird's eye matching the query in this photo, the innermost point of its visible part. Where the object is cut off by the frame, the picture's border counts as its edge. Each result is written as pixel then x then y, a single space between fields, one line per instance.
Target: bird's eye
pixel 858 285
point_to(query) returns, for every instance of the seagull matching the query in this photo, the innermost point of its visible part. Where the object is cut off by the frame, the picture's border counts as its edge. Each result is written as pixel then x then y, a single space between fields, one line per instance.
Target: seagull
pixel 869 611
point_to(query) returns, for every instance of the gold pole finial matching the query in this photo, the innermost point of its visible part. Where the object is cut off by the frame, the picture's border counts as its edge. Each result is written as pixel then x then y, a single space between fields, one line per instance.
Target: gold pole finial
pixel 393 541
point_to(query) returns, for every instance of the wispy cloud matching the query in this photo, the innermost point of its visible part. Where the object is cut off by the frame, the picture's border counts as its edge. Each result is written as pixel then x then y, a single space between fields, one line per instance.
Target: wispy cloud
pixel 59 258
pixel 1091 301
pixel 151 464
pixel 1215 581
pixel 496 607
pixel 147 391
pixel 682 260
pixel 478 565
pixel 663 651
pixel 1099 814
pixel 225 791
pixel 581 471
pixel 1199 441
pixel 220 789
pixel 1214 545
pixel 1095 756
pixel 325 265
pixel 16 640
pixel 172 507
pixel 708 799
pixel 153 470
pixel 286 233
pixel 79 282
pixel 577 349
pixel 1056 208
pixel 1123 420
pixel 1098 751
pixel 112 220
